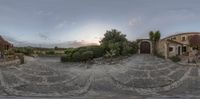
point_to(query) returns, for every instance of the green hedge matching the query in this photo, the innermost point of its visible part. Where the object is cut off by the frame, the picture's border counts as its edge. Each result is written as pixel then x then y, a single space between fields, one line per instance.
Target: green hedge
pixel 82 54
pixel 50 52
pixel 175 59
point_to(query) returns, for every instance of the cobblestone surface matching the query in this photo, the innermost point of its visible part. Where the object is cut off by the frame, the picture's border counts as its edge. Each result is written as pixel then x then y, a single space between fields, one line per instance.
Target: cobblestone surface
pixel 137 75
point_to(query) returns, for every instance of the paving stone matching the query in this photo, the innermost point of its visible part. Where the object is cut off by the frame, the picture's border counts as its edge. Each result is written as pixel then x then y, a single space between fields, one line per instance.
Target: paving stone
pixel 194 72
pixel 134 73
pixel 151 83
pixel 44 89
pixel 101 85
pixel 157 73
pixel 174 67
pixel 31 78
pixel 46 73
pixel 178 74
pixel 53 79
pixel 10 79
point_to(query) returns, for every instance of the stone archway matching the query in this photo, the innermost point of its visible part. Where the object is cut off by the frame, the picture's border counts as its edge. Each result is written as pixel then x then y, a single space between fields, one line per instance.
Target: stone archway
pixel 145 47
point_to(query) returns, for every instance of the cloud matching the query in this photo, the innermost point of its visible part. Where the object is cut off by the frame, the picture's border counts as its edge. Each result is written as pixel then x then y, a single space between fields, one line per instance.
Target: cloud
pixel 44 36
pixel 61 25
pixel 134 22
pixel 45 13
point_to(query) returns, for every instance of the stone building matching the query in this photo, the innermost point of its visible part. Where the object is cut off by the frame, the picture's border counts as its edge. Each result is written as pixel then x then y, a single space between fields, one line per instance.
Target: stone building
pixel 4 46
pixel 175 45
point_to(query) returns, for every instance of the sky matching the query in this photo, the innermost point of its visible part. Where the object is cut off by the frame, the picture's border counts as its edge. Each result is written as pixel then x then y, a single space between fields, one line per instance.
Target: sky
pixel 86 21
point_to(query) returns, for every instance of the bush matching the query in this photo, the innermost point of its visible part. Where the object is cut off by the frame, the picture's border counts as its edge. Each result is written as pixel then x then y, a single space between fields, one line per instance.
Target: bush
pixel 76 57
pixel 160 55
pixel 88 55
pixel 66 58
pixel 110 54
pixel 70 51
pixel 175 59
pixel 50 52
pixel 25 50
pixel 97 51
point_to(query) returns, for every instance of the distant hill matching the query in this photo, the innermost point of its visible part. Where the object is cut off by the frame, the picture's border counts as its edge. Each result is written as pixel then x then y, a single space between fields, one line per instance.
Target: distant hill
pixel 67 44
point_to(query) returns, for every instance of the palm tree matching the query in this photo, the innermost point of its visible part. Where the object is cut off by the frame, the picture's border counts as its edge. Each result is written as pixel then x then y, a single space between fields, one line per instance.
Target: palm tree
pixel 154 37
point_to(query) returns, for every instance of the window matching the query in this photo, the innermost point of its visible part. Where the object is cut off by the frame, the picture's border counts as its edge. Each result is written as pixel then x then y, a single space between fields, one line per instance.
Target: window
pixel 184 49
pixel 195 48
pixel 183 38
pixel 170 49
pixel 173 38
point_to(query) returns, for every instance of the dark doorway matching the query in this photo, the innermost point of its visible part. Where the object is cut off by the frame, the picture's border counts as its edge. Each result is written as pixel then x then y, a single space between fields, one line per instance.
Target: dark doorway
pixel 145 48
pixel 179 50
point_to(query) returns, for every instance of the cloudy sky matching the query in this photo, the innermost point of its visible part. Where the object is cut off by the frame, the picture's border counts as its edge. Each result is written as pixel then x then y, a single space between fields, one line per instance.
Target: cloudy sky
pixel 58 21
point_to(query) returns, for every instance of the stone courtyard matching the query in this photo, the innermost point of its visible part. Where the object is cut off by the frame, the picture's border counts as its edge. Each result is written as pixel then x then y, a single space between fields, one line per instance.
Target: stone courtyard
pixel 139 75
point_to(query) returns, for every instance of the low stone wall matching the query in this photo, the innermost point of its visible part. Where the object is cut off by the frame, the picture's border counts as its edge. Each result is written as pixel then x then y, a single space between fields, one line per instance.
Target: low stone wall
pixel 8 63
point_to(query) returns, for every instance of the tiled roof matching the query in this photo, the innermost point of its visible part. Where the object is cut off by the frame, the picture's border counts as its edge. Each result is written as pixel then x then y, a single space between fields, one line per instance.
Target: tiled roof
pixel 198 33
pixel 3 41
pixel 171 41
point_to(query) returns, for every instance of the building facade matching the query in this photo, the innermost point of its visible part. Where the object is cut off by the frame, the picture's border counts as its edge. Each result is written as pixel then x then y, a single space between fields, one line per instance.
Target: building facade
pixel 175 45
pixel 4 46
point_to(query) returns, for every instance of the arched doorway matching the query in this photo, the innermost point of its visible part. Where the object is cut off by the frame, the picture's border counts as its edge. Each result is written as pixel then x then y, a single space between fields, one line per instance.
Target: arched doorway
pixel 145 47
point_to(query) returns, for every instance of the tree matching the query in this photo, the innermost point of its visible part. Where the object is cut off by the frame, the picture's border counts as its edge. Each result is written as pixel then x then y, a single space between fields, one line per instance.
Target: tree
pixel 154 37
pixel 194 41
pixel 113 40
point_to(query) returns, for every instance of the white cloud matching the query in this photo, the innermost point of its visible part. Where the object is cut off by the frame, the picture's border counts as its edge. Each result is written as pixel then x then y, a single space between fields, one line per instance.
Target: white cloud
pixel 135 22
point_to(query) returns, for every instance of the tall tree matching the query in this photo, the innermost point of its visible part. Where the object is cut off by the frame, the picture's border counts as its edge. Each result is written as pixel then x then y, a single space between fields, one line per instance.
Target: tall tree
pixel 154 37
pixel 194 41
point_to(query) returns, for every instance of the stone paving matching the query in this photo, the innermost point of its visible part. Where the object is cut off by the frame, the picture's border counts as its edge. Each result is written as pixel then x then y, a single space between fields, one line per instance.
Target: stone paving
pixel 137 75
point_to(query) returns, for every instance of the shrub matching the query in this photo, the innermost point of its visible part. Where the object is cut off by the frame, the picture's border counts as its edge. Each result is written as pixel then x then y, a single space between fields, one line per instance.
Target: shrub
pixel 25 50
pixel 88 55
pixel 97 51
pixel 160 55
pixel 70 51
pixel 110 54
pixel 66 58
pixel 76 57
pixel 50 52
pixel 175 59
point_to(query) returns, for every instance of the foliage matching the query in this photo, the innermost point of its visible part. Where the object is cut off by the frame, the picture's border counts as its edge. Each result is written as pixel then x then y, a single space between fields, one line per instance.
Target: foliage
pixel 175 59
pixel 25 50
pixel 51 52
pixel 110 54
pixel 194 40
pixel 154 37
pixel 70 51
pixel 115 43
pixel 10 52
pixel 160 55
pixel 66 58
pixel 88 55
pixel 129 48
pixel 97 51
pixel 76 57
